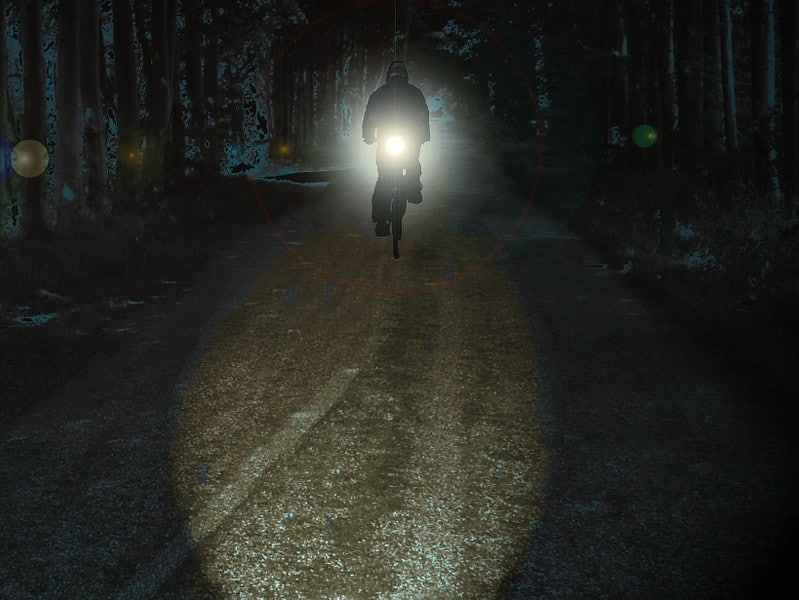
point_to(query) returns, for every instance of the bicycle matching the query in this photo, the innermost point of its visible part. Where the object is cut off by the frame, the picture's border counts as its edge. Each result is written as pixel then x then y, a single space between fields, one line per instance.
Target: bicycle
pixel 397 206
pixel 398 201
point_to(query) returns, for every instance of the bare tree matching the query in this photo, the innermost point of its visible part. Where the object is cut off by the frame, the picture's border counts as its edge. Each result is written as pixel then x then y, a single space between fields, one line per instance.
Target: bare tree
pixel 690 81
pixel 194 73
pixel 768 103
pixel 140 11
pixel 728 80
pixel 93 127
pixel 667 69
pixel 211 86
pixel 757 30
pixel 635 19
pixel 177 135
pixel 3 79
pixel 127 104
pixel 653 61
pixel 159 99
pixel 34 124
pixel 3 74
pixel 713 94
pixel 789 42
pixel 618 94
pixel 5 182
pixel 69 198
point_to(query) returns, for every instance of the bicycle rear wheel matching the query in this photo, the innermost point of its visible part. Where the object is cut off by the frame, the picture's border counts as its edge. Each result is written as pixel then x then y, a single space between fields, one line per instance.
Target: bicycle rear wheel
pixel 396 226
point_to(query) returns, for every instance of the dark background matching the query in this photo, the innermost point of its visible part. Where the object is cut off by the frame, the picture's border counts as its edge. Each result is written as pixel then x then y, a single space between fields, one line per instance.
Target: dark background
pixel 155 114
pixel 145 107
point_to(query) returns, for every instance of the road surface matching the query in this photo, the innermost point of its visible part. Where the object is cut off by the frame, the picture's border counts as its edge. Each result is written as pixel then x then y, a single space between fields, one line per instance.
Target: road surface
pixel 314 419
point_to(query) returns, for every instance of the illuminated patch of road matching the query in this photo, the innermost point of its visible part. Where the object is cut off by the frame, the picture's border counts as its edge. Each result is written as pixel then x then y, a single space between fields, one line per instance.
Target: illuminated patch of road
pixel 358 445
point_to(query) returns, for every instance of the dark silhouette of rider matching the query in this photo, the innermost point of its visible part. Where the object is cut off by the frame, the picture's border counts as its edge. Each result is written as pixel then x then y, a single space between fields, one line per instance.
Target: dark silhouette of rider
pixel 399 106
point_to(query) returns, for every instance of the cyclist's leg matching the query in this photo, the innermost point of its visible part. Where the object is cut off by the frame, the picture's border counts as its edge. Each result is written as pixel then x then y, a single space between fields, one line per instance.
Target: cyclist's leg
pixel 413 172
pixel 381 200
pixel 380 197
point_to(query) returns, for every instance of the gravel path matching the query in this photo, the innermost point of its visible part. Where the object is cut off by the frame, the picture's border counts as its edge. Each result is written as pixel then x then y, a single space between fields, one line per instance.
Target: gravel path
pixel 670 477
pixel 534 429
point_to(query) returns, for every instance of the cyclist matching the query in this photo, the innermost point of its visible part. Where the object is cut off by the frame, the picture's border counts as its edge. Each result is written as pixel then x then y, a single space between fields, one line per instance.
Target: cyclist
pixel 401 106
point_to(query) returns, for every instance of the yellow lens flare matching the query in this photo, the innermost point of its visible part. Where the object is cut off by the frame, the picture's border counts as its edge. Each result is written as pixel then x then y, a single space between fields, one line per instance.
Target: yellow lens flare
pixel 395 145
pixel 129 156
pixel 29 158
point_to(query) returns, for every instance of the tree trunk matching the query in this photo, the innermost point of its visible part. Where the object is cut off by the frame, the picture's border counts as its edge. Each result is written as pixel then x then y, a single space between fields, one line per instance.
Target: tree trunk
pixel 541 84
pixel 713 94
pixel 329 98
pixel 172 37
pixel 93 127
pixel 728 81
pixel 35 119
pixel 757 23
pixel 664 32
pixel 107 95
pixel 176 149
pixel 315 89
pixel 194 75
pixel 127 103
pixel 635 19
pixel 211 81
pixel 69 197
pixel 789 41
pixel 617 85
pixel 141 26
pixel 634 28
pixel 5 146
pixel 159 100
pixel 177 145
pixel 654 98
pixel 690 82
pixel 3 88
pixel 769 106
pixel 295 106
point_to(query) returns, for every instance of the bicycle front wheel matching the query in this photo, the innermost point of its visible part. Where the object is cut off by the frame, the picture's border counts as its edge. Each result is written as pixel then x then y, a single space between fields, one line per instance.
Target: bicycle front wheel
pixel 396 226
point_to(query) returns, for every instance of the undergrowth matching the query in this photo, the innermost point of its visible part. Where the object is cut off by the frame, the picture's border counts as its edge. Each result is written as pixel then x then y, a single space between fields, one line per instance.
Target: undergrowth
pixel 120 255
pixel 728 254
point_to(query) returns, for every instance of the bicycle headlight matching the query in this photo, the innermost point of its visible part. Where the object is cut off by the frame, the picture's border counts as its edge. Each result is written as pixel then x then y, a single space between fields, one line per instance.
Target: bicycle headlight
pixel 395 145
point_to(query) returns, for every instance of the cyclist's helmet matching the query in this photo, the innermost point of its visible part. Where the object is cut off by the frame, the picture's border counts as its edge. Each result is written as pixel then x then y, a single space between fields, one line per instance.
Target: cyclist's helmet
pixel 397 72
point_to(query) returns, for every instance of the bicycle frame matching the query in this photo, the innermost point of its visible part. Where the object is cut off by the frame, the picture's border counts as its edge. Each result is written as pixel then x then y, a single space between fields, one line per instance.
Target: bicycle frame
pixel 393 162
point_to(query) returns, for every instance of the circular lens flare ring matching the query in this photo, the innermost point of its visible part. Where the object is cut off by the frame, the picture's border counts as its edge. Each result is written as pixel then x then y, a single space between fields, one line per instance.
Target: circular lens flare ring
pixel 644 136
pixel 30 158
pixel 395 145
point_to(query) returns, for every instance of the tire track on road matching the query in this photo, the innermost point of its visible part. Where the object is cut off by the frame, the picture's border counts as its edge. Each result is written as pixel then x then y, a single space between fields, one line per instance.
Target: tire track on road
pixel 339 463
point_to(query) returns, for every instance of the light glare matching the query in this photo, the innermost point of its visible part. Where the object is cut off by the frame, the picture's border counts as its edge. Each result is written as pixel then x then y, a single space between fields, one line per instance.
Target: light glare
pixel 395 145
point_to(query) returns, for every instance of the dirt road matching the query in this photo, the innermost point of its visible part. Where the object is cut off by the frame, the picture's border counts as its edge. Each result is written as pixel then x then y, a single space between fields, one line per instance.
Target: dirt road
pixel 341 442
pixel 313 419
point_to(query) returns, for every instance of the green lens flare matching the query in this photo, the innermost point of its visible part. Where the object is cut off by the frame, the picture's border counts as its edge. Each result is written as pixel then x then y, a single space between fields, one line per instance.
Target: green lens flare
pixel 644 136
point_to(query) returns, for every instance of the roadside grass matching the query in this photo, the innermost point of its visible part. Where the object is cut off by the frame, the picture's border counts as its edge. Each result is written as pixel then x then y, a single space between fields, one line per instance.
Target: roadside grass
pixel 714 252
pixel 119 257
pixel 723 261
pixel 82 277
pixel 729 254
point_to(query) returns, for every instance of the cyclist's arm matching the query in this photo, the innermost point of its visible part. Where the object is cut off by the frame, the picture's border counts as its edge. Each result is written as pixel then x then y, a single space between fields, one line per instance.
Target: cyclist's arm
pixel 424 119
pixel 369 124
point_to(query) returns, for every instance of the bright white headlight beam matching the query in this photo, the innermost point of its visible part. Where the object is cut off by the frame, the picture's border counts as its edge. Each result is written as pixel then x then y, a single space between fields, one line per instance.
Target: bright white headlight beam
pixel 395 145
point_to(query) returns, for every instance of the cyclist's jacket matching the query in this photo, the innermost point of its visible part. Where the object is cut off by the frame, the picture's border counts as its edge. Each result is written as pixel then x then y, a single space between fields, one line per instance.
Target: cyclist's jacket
pixel 399 105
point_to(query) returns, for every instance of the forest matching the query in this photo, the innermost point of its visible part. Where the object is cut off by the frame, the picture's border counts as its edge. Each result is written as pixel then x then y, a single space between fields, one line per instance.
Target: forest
pixel 684 113
pixel 578 378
